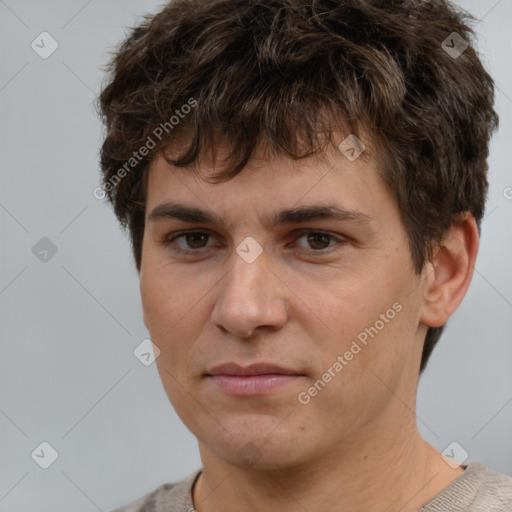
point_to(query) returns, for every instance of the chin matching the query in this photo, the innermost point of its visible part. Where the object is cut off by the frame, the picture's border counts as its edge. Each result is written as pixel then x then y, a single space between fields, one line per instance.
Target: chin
pixel 258 448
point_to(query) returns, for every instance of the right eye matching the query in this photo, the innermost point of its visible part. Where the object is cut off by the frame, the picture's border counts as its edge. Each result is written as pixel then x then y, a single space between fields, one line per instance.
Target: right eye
pixel 195 240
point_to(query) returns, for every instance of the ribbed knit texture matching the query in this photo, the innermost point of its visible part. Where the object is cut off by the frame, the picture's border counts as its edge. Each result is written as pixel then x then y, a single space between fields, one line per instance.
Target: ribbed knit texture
pixel 478 489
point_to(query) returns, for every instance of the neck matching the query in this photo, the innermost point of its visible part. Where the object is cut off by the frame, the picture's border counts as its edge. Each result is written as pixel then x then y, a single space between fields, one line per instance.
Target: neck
pixel 392 472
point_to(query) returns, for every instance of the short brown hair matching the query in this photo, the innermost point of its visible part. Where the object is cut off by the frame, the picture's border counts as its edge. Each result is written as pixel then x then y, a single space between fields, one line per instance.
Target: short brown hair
pixel 288 70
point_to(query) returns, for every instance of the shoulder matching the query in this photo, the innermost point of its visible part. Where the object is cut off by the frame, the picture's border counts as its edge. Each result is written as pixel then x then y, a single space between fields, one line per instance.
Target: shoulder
pixel 495 491
pixel 165 498
pixel 478 489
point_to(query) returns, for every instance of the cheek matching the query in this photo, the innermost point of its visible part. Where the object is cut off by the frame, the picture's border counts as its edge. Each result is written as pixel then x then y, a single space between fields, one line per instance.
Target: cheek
pixel 165 314
pixel 175 309
pixel 165 299
pixel 374 318
pixel 357 388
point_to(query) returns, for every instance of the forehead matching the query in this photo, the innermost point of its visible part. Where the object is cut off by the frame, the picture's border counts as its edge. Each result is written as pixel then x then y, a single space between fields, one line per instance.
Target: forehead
pixel 268 179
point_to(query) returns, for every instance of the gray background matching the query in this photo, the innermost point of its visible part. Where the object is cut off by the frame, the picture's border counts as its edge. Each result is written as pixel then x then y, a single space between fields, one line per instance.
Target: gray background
pixel 68 375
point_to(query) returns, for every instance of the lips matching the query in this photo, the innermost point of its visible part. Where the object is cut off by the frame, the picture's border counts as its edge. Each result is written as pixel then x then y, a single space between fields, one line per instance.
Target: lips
pixel 256 379
pixel 253 369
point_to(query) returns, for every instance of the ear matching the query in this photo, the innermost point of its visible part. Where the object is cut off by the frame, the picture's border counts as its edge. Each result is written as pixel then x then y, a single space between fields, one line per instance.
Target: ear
pixel 449 273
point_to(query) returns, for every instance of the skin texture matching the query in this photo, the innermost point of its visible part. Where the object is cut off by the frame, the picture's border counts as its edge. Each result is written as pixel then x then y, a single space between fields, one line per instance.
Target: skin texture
pixel 355 445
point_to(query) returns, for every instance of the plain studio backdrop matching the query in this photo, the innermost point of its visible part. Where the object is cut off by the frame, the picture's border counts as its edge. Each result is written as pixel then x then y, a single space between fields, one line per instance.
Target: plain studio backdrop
pixel 69 296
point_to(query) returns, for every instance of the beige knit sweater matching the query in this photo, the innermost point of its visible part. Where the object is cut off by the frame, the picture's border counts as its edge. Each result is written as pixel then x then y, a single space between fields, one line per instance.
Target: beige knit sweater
pixel 478 489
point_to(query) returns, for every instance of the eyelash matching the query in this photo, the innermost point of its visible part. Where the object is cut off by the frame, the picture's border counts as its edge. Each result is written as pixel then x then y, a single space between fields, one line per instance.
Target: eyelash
pixel 180 234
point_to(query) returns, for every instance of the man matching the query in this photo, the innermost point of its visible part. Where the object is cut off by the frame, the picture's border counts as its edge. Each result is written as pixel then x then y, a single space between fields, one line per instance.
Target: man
pixel 303 181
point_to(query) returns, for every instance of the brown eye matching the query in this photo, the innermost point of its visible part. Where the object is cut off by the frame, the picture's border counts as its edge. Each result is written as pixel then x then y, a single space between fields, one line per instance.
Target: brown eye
pixel 196 240
pixel 193 241
pixel 318 241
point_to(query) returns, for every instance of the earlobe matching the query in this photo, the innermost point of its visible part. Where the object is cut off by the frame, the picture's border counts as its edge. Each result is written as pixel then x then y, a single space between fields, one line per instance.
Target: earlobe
pixel 450 271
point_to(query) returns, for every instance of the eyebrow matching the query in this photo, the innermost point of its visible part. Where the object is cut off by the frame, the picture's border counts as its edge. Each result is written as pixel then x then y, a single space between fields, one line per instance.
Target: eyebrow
pixel 195 215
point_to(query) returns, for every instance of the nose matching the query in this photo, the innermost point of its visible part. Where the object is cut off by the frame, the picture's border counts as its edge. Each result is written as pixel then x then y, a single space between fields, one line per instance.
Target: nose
pixel 250 297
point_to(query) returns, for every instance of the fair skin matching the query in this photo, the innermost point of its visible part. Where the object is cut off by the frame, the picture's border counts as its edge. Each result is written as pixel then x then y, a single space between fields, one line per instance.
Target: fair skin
pixel 355 445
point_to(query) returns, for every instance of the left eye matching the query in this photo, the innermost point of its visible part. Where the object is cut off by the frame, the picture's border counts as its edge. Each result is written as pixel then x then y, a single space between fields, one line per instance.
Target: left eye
pixel 318 240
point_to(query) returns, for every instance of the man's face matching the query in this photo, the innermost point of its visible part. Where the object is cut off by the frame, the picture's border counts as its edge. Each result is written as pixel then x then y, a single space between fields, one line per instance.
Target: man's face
pixel 321 292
